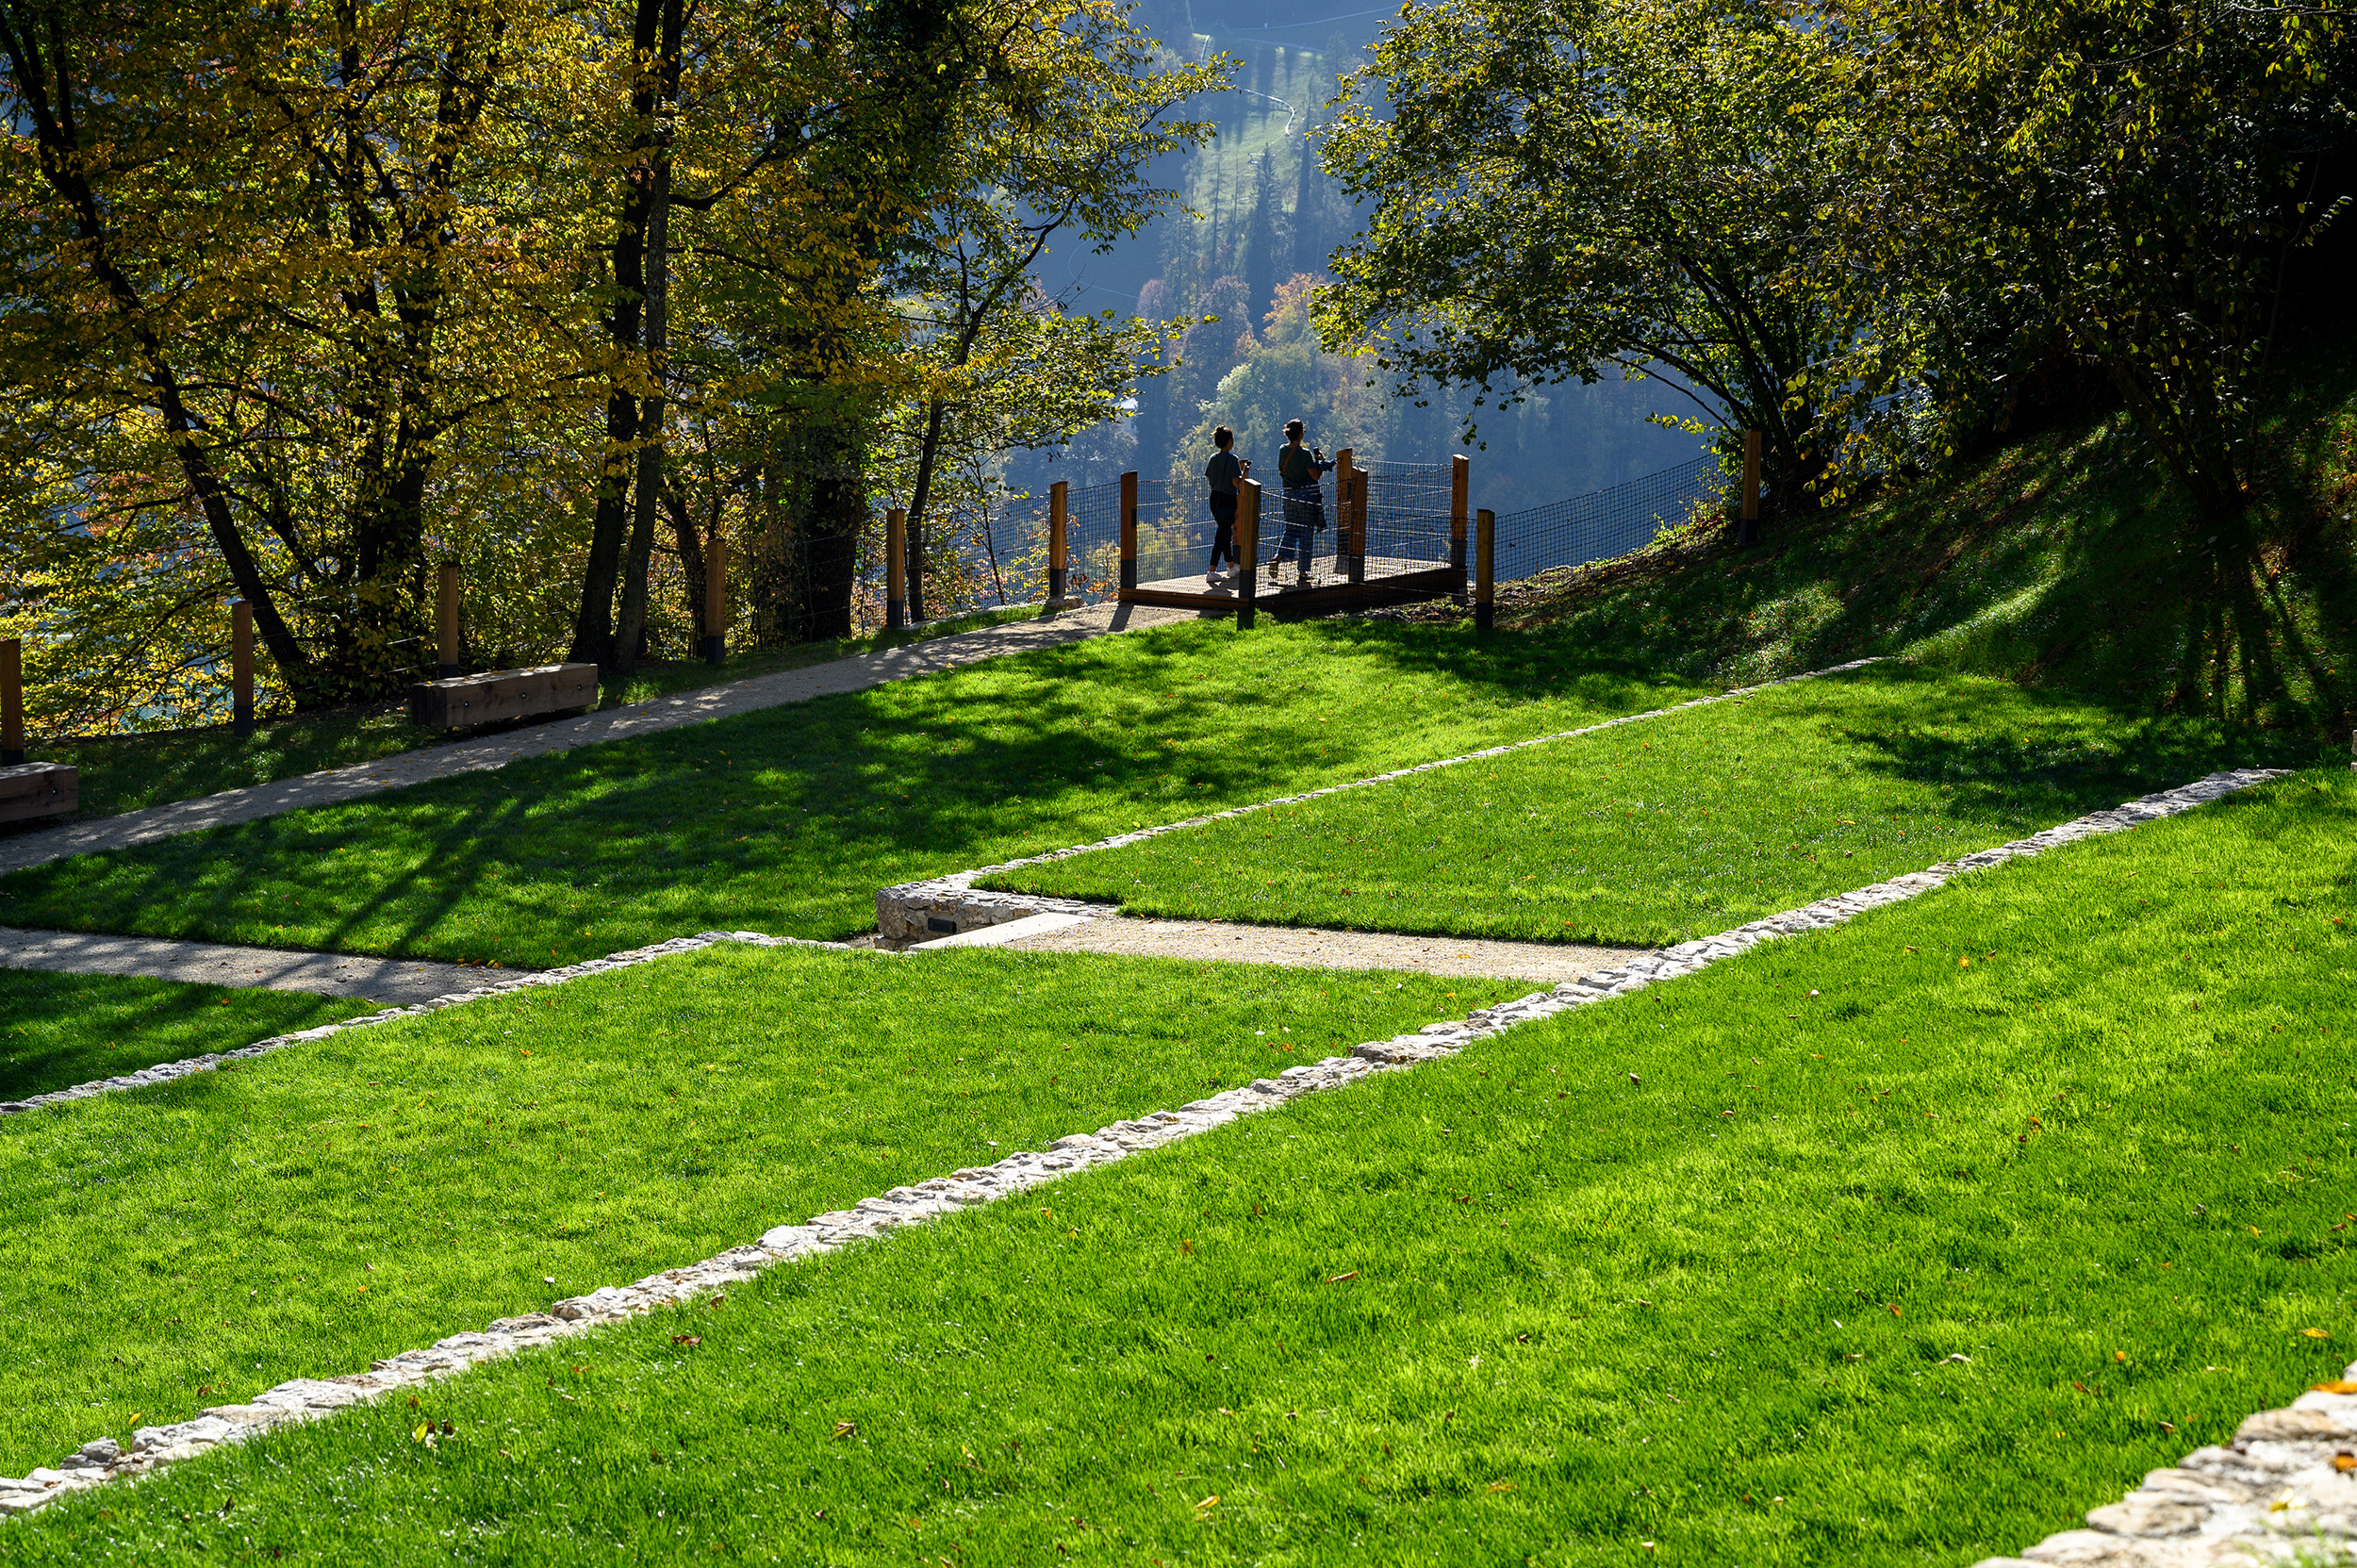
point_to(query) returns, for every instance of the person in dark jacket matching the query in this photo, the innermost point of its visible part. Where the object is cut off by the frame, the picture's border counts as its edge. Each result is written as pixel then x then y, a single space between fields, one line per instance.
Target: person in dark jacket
pixel 1223 473
pixel 1298 467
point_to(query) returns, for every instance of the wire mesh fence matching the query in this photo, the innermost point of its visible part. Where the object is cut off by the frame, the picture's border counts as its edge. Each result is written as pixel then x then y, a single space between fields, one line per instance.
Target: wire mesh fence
pixel 1407 527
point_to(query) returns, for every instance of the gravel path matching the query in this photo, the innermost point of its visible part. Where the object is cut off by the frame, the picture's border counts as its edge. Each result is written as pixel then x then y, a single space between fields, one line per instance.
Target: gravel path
pixel 856 673
pixel 382 980
pixel 1309 946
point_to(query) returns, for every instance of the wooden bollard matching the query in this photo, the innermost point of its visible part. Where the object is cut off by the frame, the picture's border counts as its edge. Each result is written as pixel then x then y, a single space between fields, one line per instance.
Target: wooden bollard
pixel 1130 532
pixel 1357 565
pixel 1059 503
pixel 716 599
pixel 1247 546
pixel 1749 534
pixel 12 701
pixel 895 568
pixel 1460 497
pixel 241 667
pixel 1485 569
pixel 446 622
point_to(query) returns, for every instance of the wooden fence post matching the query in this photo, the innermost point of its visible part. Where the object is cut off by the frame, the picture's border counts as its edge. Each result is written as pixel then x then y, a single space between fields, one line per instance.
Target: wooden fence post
pixel 1357 566
pixel 1130 532
pixel 241 667
pixel 1750 531
pixel 446 621
pixel 1485 569
pixel 716 599
pixel 12 701
pixel 1344 464
pixel 1059 506
pixel 1248 546
pixel 1460 497
pixel 895 568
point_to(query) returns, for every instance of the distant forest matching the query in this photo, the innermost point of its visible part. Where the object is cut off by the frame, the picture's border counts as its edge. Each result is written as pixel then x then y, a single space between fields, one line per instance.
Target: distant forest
pixel 1271 217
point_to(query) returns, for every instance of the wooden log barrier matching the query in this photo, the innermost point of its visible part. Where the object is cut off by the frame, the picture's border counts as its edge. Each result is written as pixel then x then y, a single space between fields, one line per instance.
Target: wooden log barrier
pixel 1130 532
pixel 896 570
pixel 241 667
pixel 1485 569
pixel 1249 547
pixel 716 599
pixel 1059 506
pixel 1460 497
pixel 28 789
pixel 496 695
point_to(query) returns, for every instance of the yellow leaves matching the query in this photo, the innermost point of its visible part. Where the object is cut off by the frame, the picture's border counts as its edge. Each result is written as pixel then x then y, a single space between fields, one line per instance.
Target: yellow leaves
pixel 2314 1333
pixel 846 1429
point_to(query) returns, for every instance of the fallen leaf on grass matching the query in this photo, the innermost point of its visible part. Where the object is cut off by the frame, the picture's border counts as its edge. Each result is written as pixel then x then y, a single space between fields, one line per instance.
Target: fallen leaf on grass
pixel 2345 1463
pixel 1501 1486
pixel 687 1339
pixel 845 1429
pixel 1212 1501
pixel 1338 1278
pixel 2315 1333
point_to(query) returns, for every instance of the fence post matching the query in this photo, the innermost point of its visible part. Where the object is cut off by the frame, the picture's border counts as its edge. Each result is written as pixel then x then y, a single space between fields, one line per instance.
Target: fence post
pixel 1749 534
pixel 716 599
pixel 1485 569
pixel 1059 504
pixel 1460 497
pixel 241 667
pixel 895 568
pixel 12 701
pixel 1344 464
pixel 1248 546
pixel 445 621
pixel 1357 566
pixel 1130 530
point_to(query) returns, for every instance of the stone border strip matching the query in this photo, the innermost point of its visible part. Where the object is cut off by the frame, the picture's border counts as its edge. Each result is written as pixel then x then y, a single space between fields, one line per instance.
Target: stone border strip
pixel 2212 1492
pixel 947 906
pixel 164 1072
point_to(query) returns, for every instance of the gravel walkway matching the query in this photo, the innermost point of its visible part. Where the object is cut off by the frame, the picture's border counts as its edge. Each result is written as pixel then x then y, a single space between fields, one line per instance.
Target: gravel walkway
pixel 1309 946
pixel 856 673
pixel 381 979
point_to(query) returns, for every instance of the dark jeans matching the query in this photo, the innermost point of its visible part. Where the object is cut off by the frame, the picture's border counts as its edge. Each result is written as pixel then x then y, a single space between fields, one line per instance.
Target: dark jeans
pixel 1305 517
pixel 1223 542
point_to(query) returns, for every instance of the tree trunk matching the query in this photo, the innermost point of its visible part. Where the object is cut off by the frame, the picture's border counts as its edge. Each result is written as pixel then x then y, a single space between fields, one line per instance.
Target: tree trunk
pixel 650 419
pixel 920 496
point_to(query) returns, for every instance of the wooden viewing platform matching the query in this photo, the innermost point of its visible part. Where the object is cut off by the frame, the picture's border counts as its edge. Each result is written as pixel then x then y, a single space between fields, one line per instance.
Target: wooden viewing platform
pixel 1349 579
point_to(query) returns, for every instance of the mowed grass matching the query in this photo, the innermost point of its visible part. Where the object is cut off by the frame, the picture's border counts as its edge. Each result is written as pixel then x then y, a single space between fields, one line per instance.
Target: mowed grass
pixel 1844 1251
pixel 304 1214
pixel 1695 822
pixel 128 772
pixel 57 1031
pixel 788 821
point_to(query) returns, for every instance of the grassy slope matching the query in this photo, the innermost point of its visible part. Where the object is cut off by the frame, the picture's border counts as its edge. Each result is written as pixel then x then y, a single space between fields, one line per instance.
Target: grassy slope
pixel 307 1213
pixel 788 821
pixel 57 1031
pixel 2064 561
pixel 1879 1258
pixel 1684 825
pixel 123 773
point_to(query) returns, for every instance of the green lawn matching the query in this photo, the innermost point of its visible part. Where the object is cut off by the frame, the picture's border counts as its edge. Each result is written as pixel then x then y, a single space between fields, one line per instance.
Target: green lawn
pixel 1845 1251
pixel 788 821
pixel 1652 833
pixel 123 773
pixel 57 1031
pixel 308 1212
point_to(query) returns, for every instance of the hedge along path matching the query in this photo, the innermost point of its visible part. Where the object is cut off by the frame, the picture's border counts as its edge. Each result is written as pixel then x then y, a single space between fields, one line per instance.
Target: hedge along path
pixel 914 911
pixel 2280 1478
pixel 482 752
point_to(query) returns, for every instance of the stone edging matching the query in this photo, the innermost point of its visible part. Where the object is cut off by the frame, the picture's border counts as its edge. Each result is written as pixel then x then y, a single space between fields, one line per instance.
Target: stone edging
pixel 2211 1496
pixel 947 905
pixel 164 1072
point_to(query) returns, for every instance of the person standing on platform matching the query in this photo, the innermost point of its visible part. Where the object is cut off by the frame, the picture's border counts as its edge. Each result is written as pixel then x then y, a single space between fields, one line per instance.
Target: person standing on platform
pixel 1297 468
pixel 1223 473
